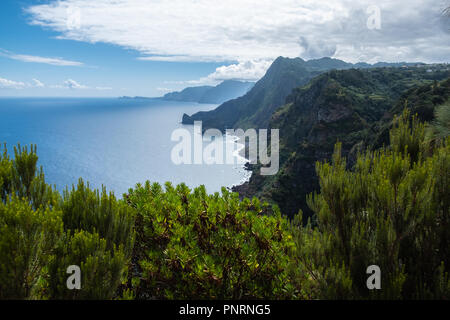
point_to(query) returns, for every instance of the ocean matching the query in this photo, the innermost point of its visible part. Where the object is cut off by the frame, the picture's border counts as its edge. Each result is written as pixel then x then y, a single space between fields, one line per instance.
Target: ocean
pixel 108 141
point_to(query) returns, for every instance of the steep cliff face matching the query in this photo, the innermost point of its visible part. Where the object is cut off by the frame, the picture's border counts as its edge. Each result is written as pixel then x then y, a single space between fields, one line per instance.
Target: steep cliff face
pixel 354 107
pixel 255 109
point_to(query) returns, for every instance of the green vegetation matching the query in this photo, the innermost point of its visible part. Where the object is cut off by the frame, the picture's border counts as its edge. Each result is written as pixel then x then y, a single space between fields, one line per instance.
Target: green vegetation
pixel 192 245
pixel 391 209
pixel 27 239
pixel 43 233
pixel 355 107
pixel 377 197
pixel 440 127
pixel 254 109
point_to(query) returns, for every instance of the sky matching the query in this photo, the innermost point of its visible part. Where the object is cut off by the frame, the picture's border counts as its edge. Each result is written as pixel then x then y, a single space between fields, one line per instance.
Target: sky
pixel 109 48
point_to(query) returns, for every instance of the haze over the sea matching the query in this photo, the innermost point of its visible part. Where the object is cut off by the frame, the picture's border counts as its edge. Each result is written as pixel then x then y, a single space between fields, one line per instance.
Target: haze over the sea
pixel 113 142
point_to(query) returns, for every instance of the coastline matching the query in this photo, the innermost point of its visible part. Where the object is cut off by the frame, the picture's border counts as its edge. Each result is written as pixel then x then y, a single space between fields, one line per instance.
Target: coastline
pixel 245 167
pixel 243 188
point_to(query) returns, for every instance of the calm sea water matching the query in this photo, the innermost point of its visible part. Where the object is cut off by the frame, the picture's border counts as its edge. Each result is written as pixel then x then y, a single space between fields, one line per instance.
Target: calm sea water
pixel 114 142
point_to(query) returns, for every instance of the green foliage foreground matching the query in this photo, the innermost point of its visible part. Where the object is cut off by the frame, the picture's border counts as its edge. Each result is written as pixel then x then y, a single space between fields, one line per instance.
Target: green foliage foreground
pixel 42 233
pixel 391 209
pixel 195 245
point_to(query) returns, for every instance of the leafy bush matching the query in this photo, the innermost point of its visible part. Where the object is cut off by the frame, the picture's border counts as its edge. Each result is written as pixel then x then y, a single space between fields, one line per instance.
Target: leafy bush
pixel 191 245
pixel 102 269
pixel 391 210
pixel 88 210
pixel 42 233
pixel 440 127
pixel 27 238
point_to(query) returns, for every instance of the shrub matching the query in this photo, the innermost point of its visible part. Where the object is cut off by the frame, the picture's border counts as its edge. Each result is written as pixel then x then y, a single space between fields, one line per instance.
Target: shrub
pixel 191 245
pixel 440 127
pixel 42 233
pixel 102 269
pixel 95 212
pixel 27 239
pixel 391 210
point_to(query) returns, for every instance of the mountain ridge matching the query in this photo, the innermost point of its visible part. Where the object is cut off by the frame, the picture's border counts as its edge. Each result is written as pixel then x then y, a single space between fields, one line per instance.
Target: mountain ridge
pixel 226 90
pixel 354 107
pixel 253 110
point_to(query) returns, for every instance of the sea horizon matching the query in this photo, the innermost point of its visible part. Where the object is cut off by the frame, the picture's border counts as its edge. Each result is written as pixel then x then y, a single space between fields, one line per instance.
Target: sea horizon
pixel 69 133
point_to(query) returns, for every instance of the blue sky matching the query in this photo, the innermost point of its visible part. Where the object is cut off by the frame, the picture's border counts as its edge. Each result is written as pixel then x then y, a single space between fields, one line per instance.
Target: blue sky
pixel 150 47
pixel 103 66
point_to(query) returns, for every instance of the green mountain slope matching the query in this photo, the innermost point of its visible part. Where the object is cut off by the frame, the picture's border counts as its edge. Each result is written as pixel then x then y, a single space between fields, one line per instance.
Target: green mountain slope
pixel 352 106
pixel 254 109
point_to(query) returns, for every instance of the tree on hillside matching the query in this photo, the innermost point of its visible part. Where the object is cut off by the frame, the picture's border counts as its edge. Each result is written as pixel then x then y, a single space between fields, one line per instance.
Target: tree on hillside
pixel 391 210
pixel 42 233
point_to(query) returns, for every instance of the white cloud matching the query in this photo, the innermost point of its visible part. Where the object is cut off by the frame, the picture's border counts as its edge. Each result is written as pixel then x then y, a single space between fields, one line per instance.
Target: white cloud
pixel 38 83
pixel 252 70
pixel 247 70
pixel 311 47
pixel 252 30
pixel 68 84
pixel 164 90
pixel 72 84
pixel 10 84
pixel 37 59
